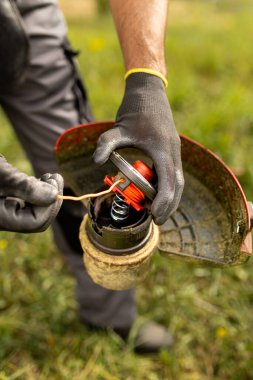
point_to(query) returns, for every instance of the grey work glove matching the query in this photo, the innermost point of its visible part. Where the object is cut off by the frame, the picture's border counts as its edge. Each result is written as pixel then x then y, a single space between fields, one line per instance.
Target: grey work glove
pixel 26 203
pixel 144 120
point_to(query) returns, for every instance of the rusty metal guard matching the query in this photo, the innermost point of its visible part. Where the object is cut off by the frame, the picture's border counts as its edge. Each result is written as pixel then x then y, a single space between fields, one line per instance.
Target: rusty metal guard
pixel 212 221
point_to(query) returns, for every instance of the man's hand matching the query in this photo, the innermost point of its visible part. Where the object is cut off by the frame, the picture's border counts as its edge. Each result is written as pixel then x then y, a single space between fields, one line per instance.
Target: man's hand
pixel 26 203
pixel 144 121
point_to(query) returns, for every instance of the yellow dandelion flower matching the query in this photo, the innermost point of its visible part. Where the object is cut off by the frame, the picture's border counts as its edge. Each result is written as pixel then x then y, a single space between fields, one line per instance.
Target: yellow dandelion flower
pixel 3 244
pixel 97 44
pixel 221 332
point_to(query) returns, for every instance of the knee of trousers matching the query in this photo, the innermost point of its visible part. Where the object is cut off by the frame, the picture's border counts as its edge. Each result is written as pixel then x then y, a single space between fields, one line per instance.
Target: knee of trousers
pixel 97 306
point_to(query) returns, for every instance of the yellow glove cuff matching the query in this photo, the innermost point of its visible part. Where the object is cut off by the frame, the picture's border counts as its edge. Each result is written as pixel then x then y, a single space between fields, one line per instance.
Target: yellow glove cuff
pixel 147 71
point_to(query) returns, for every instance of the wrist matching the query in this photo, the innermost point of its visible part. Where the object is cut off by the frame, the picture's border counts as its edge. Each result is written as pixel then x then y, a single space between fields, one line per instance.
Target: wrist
pixel 148 71
pixel 143 93
pixel 143 83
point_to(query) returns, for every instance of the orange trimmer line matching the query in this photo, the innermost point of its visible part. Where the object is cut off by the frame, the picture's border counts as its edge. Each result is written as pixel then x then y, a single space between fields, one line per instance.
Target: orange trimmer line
pixel 71 198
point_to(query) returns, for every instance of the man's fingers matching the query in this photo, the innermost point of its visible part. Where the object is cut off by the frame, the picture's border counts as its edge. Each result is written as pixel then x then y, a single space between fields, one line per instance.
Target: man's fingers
pixel 170 187
pixel 179 188
pixel 107 143
pixel 27 219
pixel 166 190
pixel 35 192
pixel 163 207
pixel 17 184
pixel 16 219
pixel 55 180
pixel 41 192
pixel 170 204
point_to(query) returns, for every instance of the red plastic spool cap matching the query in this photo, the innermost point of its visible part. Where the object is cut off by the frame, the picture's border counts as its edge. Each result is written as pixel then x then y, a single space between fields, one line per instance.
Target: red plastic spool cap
pixel 144 170
pixel 132 194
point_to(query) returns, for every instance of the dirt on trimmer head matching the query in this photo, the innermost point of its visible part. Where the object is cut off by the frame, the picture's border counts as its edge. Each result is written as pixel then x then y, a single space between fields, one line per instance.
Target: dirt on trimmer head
pixel 212 223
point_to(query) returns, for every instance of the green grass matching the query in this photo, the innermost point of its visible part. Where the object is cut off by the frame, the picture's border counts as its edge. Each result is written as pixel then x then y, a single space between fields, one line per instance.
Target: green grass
pixel 210 311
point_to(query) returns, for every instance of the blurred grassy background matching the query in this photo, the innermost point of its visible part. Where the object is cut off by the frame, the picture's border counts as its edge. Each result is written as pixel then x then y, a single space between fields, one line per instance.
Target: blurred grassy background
pixel 210 61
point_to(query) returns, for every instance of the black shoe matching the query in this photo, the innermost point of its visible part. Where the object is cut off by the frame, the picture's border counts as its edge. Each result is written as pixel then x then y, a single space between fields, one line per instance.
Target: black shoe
pixel 151 338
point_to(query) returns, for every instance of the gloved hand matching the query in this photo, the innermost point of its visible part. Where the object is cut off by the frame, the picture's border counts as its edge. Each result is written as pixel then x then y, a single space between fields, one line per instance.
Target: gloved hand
pixel 26 203
pixel 144 120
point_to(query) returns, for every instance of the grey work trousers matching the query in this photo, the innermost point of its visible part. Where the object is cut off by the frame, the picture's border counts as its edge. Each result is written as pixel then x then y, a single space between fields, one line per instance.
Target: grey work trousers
pixel 40 110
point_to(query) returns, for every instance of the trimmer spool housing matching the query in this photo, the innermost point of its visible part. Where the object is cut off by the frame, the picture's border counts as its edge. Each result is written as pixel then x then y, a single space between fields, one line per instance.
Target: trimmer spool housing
pixel 118 252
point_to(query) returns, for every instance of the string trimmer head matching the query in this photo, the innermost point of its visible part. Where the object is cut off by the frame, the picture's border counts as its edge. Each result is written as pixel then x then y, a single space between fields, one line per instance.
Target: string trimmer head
pixel 213 222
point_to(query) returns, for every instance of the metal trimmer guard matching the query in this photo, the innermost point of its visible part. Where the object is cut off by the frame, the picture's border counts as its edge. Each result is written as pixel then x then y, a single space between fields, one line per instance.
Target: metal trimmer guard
pixel 212 223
